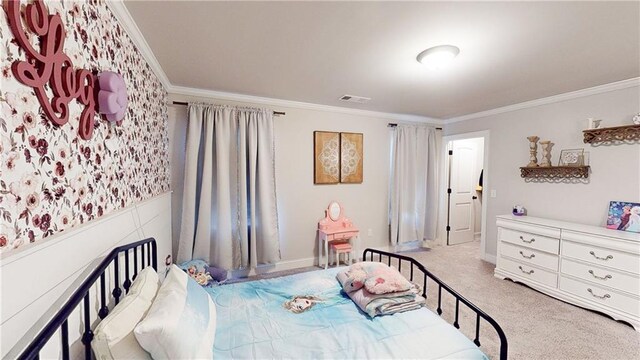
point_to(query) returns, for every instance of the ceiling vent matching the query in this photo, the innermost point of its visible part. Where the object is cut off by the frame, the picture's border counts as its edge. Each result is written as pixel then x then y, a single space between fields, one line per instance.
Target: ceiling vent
pixel 355 99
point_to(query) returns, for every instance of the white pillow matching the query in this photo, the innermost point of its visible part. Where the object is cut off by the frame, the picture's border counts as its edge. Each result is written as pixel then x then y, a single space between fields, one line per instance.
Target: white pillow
pixel 114 337
pixel 181 323
pixel 146 284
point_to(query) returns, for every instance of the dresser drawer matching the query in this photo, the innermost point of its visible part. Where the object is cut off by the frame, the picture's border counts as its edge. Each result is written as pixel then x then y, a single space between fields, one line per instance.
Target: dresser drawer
pixel 529 240
pixel 342 235
pixel 609 258
pixel 529 256
pixel 623 241
pixel 602 276
pixel 601 296
pixel 529 272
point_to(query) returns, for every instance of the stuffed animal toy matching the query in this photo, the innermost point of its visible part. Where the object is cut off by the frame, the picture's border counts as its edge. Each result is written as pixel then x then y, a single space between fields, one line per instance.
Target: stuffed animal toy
pixel 355 278
pixel 384 280
pixel 204 274
pixel 218 274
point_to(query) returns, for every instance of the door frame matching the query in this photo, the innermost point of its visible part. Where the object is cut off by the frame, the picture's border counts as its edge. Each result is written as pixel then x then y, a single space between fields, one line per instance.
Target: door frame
pixel 442 222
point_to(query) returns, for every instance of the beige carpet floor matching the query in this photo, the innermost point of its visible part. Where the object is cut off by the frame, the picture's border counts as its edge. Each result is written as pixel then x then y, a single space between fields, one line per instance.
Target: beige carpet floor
pixel 537 326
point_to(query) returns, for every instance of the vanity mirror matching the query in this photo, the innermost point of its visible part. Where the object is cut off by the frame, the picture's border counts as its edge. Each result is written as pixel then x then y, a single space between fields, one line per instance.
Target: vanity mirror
pixel 334 211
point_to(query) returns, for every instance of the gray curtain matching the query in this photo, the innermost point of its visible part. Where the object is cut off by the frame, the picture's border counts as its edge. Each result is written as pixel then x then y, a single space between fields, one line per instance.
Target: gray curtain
pixel 413 210
pixel 229 215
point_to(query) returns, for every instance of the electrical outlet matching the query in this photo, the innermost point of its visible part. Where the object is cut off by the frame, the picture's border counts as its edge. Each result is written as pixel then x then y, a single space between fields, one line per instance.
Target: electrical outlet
pixel 370 232
pixel 493 193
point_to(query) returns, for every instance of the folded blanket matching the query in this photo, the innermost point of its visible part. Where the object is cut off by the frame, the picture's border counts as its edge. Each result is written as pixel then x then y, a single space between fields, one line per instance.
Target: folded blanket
pixel 391 307
pixel 386 304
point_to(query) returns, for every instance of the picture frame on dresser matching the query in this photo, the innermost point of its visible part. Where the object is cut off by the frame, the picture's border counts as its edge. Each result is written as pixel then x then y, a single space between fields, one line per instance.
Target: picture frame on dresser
pixel 624 216
pixel 588 266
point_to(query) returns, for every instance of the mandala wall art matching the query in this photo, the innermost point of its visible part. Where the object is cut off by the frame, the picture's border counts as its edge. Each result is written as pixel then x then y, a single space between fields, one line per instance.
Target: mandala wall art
pixel 351 158
pixel 338 157
pixel 326 157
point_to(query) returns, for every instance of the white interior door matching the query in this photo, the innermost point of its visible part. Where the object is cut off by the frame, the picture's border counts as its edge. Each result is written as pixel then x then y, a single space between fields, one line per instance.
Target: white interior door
pixel 462 182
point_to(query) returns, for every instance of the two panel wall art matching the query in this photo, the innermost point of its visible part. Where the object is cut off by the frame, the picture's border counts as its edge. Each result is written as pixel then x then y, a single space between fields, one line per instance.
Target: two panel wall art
pixel 338 157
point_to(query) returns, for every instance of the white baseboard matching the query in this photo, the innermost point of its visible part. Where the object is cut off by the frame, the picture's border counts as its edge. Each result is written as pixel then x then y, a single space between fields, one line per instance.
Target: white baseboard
pixel 299 263
pixel 490 258
pixel 269 268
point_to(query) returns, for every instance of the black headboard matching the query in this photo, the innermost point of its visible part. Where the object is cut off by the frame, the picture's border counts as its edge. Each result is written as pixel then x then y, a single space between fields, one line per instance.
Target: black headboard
pixel 145 253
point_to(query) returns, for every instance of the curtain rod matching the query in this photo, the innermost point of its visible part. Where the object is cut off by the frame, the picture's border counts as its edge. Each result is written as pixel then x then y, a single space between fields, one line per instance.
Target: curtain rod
pixel 275 113
pixel 394 125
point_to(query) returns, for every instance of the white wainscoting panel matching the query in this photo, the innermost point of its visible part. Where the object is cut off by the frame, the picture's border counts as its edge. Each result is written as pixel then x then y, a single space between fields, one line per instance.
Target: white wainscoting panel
pixel 33 281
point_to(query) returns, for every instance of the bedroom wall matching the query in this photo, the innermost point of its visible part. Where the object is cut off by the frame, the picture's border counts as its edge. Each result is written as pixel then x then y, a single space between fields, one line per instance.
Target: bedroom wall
pixel 53 180
pixel 615 169
pixel 34 281
pixel 301 203
pixel 65 201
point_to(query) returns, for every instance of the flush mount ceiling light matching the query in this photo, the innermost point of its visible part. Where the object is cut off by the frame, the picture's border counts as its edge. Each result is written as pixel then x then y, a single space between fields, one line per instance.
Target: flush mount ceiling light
pixel 438 57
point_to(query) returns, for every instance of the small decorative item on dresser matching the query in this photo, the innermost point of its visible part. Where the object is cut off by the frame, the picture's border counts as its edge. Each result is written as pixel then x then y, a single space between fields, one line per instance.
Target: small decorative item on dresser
pixel 533 150
pixel 546 153
pixel 624 216
pixel 594 123
pixel 519 210
pixel 636 119
pixel 571 157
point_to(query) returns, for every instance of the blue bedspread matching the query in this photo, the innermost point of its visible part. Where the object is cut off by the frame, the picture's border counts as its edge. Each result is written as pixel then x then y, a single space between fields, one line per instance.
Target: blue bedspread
pixel 254 322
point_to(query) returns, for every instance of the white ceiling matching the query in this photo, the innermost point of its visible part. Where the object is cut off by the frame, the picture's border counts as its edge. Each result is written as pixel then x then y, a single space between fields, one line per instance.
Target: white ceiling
pixel 510 52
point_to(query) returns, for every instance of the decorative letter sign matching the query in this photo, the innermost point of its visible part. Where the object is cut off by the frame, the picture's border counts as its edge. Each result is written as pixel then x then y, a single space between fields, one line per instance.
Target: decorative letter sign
pixel 51 65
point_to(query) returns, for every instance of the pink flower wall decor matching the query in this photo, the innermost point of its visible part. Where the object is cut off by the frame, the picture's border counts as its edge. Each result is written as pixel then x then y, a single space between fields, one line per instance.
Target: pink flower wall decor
pixel 112 97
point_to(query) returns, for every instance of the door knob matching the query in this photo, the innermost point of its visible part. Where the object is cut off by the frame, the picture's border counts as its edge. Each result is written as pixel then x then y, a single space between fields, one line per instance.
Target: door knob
pixel 474 197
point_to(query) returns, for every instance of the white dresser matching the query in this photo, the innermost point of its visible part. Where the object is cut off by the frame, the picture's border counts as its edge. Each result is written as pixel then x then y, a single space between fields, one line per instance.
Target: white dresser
pixel 592 267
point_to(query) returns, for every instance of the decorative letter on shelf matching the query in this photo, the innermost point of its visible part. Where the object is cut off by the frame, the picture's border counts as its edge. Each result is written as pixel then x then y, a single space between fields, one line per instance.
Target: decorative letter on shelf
pixel 51 65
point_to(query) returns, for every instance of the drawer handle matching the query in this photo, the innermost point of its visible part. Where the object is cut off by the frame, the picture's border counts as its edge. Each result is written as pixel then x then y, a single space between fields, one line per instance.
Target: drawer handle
pixel 609 257
pixel 605 296
pixel 600 277
pixel 527 241
pixel 526 272
pixel 527 257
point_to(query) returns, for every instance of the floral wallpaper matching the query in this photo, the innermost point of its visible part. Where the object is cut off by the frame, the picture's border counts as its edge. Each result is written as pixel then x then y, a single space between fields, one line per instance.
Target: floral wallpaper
pixel 52 180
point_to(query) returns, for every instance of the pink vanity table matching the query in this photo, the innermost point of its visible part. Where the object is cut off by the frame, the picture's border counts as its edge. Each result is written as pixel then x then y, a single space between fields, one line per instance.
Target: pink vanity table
pixel 336 227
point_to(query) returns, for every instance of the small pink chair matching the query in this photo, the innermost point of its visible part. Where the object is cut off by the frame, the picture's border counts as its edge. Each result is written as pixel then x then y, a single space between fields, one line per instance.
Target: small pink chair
pixel 341 248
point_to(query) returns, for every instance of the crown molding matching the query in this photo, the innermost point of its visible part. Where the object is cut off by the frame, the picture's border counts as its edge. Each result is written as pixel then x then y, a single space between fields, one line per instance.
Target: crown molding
pixel 220 95
pixel 121 13
pixel 618 85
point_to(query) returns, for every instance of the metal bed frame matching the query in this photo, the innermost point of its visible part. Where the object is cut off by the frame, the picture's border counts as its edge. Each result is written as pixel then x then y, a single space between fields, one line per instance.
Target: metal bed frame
pixel 441 285
pixel 149 257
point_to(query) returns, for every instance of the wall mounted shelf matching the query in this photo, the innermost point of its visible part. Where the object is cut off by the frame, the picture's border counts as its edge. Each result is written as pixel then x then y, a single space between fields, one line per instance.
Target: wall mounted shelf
pixel 627 133
pixel 555 172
